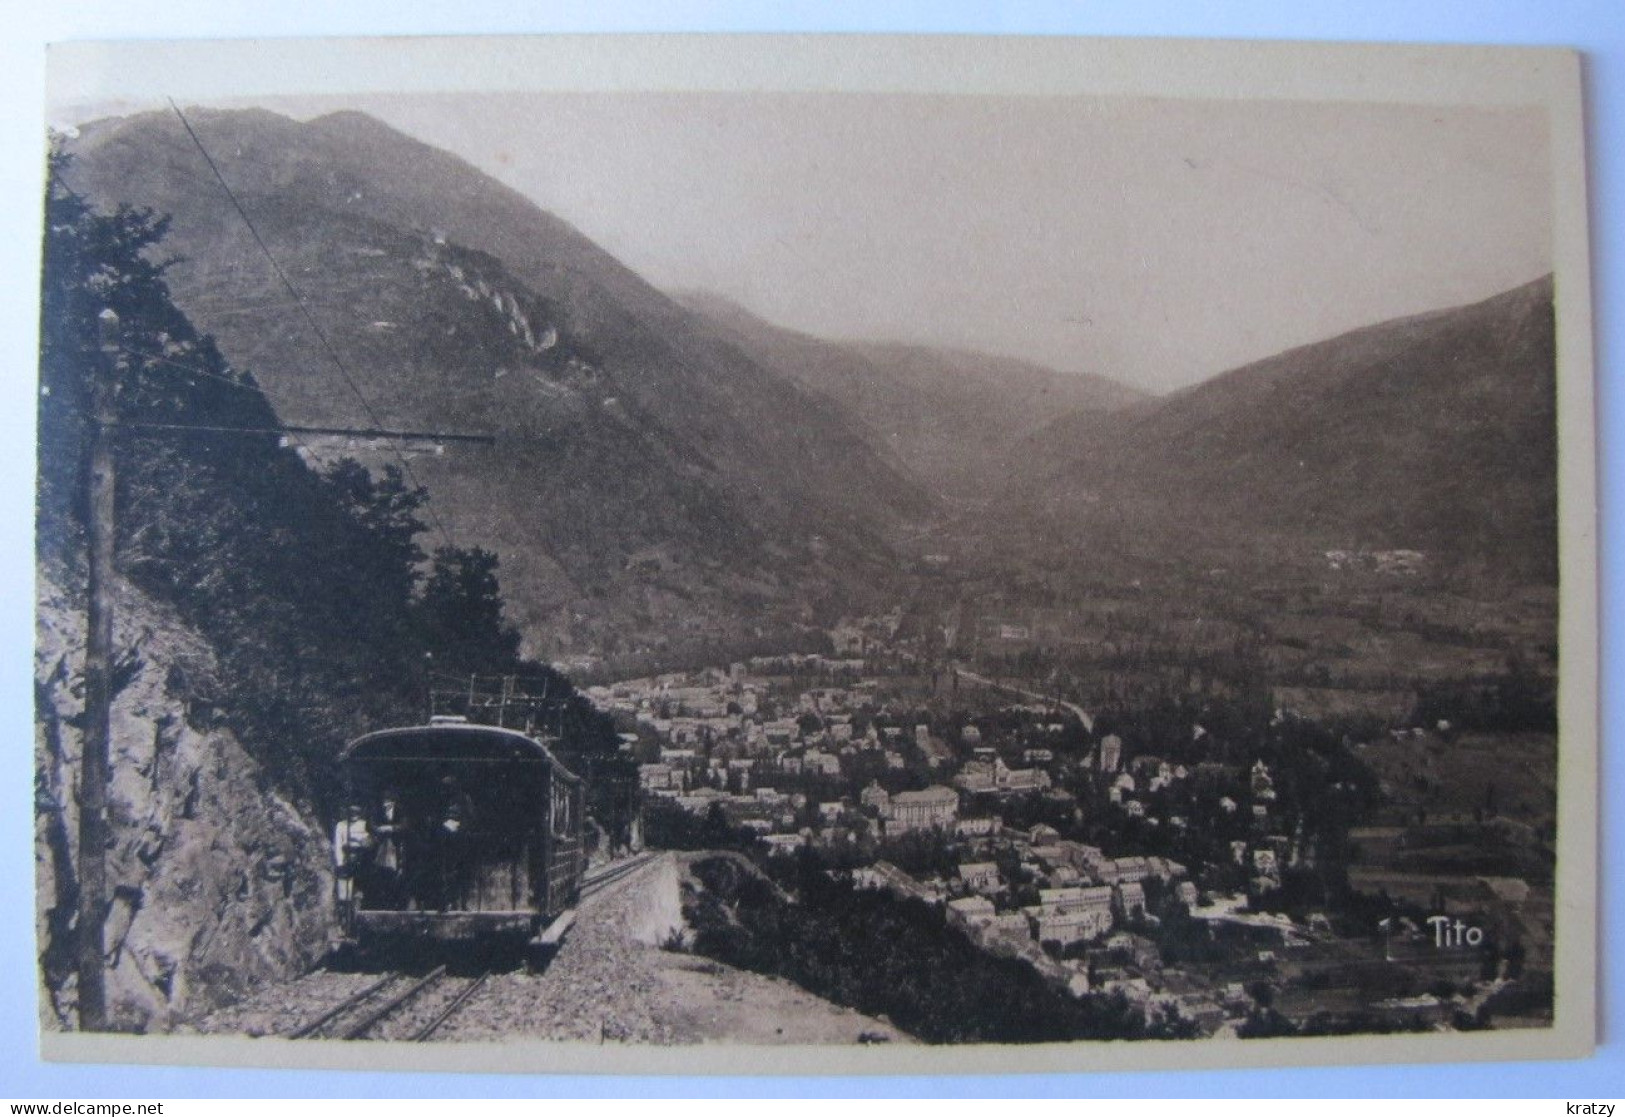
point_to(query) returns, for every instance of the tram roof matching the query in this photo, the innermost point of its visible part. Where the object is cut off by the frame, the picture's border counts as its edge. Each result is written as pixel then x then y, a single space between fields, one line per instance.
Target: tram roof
pixel 466 742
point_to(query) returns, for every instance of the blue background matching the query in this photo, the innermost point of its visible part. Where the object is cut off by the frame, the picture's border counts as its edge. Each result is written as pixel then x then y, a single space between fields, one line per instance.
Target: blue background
pixel 1596 27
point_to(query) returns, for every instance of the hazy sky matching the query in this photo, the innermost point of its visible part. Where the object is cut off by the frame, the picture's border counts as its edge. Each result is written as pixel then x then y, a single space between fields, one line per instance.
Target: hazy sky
pixel 1157 242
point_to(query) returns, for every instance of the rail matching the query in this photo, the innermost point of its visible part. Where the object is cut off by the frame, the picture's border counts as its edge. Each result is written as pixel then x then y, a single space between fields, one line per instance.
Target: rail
pixel 366 1023
pixel 450 1010
pixel 603 878
pixel 372 1015
pixel 353 1001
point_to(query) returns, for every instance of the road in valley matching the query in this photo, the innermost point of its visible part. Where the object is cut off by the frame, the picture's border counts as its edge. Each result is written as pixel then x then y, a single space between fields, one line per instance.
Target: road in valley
pixel 1078 711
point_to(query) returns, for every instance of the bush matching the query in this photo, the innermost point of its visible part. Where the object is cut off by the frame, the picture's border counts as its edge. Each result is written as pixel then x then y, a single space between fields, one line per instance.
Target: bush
pixel 888 957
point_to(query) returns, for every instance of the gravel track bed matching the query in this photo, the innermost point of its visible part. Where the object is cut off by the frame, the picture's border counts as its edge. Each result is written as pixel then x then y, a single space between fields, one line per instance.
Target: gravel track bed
pixel 596 990
pixel 416 1014
pixel 280 1009
pixel 608 983
pixel 592 990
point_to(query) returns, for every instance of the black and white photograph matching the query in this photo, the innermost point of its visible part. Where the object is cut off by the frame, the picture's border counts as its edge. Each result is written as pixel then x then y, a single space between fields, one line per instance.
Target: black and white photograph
pixel 626 555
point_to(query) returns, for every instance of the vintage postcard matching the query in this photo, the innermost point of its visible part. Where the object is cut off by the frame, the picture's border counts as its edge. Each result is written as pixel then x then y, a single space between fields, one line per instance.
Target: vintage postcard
pixel 849 554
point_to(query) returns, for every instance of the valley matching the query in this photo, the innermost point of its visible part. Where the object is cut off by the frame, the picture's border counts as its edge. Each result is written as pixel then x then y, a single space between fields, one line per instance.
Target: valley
pixel 1179 714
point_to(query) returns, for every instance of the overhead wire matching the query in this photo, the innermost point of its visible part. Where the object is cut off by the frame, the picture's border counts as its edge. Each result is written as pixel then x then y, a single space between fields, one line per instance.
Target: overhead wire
pixel 306 313
pixel 158 358
pixel 352 432
pixel 223 303
pixel 196 370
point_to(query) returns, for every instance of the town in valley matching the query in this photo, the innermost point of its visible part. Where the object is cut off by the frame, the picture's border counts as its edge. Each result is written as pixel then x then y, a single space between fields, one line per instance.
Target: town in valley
pixel 1241 875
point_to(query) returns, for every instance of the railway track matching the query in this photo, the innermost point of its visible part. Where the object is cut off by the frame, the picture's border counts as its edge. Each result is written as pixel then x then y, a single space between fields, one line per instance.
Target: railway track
pixel 397 1007
pixel 409 1007
pixel 620 870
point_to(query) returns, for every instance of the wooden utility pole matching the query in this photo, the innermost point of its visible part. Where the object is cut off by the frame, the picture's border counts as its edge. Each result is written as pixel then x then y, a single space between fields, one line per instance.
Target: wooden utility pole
pixel 94 828
pixel 93 764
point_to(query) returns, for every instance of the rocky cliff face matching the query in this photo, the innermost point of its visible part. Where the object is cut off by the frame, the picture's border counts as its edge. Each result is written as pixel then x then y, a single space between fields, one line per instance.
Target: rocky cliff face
pixel 216 882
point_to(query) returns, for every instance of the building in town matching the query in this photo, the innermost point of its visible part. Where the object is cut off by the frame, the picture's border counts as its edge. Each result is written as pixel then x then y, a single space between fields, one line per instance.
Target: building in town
pixel 922 810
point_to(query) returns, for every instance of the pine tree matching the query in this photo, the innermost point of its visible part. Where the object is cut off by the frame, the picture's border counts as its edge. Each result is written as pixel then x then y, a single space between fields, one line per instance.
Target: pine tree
pixel 460 614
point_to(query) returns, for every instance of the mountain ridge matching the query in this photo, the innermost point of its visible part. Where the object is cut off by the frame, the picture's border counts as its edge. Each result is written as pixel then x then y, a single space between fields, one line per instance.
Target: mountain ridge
pixel 948 414
pixel 1435 430
pixel 674 470
pixel 441 289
